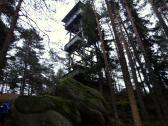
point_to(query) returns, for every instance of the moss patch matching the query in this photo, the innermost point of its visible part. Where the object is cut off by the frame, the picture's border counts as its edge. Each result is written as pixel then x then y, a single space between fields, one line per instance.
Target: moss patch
pixel 40 104
pixel 90 103
pixel 72 89
pixel 49 118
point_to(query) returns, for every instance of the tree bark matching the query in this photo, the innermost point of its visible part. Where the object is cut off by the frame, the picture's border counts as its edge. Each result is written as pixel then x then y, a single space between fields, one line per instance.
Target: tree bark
pixel 145 75
pixel 2 88
pixel 135 57
pixel 133 71
pixel 8 39
pixel 99 72
pixel 140 77
pixel 159 16
pixel 123 63
pixel 152 76
pixel 107 68
pixel 24 79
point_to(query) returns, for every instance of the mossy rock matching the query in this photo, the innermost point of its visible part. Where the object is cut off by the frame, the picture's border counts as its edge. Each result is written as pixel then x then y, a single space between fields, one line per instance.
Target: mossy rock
pixel 67 108
pixel 40 104
pixel 76 91
pixel 89 101
pixel 33 104
pixel 48 118
pixel 76 102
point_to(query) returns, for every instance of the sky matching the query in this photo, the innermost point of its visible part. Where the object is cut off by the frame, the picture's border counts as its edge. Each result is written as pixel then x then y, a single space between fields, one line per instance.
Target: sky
pixel 49 23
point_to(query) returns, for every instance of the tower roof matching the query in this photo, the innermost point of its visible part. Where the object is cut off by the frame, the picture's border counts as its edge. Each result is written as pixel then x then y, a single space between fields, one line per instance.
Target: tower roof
pixel 72 11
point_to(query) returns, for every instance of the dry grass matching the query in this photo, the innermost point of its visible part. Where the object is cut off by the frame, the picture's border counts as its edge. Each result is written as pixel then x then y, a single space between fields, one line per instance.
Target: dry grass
pixel 8 97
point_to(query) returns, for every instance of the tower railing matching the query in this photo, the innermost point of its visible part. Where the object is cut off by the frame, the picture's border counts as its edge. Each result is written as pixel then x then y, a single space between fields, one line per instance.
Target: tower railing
pixel 74 41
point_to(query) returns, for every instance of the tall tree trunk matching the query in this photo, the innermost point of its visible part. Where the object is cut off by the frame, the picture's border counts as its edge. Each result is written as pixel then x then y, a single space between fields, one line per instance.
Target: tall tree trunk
pixel 9 36
pixel 140 77
pixel 165 16
pixel 133 71
pixel 1 6
pixel 123 63
pixel 153 95
pixel 152 76
pixel 99 72
pixel 24 79
pixel 159 16
pixel 107 68
pixel 165 4
pixel 6 88
pixel 135 52
pixel 2 88
pixel 3 83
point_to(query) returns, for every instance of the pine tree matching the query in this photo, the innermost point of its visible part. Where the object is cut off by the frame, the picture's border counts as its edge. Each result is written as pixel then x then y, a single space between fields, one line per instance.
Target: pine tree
pixel 114 20
pixel 145 51
pixel 154 4
pixel 135 78
pixel 107 66
pixel 9 35
pixel 28 56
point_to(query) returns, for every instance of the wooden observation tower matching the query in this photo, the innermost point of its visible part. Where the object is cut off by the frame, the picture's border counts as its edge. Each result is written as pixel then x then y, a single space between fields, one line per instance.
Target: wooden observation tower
pixel 81 53
pixel 85 61
pixel 83 49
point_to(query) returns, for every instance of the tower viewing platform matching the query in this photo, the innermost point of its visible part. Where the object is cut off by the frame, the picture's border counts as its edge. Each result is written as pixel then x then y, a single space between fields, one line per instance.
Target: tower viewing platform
pixel 73 18
pixel 74 43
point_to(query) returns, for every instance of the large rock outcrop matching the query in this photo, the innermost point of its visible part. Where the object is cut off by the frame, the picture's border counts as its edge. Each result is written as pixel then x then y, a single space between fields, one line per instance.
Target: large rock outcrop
pixel 27 105
pixel 90 102
pixel 74 105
